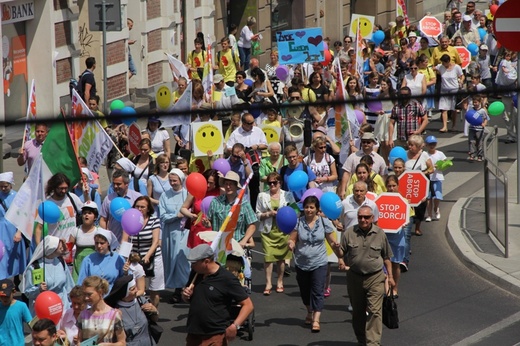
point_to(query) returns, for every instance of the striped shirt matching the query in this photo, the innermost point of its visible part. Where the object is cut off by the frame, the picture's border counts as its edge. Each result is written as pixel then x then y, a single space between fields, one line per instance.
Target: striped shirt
pixel 143 241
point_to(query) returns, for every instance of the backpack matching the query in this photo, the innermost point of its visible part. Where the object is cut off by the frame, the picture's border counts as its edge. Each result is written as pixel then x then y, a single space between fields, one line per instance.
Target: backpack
pixel 78 84
pixel 232 54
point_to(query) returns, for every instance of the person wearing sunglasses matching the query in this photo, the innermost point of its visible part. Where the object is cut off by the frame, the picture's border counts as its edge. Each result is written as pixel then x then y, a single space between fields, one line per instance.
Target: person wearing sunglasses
pixel 274 241
pixel 415 81
pixel 364 250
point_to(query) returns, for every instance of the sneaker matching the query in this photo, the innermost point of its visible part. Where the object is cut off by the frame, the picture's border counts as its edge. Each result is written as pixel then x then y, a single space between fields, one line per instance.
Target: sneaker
pixel 428 219
pixel 327 292
pixel 404 267
pixel 438 215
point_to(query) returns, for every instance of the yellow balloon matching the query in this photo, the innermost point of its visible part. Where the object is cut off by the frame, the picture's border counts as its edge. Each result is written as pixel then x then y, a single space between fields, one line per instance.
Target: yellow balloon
pixel 163 98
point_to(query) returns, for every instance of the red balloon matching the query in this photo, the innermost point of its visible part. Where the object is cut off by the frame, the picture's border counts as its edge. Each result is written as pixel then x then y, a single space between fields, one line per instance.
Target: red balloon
pixel 328 58
pixel 493 9
pixel 49 305
pixel 197 185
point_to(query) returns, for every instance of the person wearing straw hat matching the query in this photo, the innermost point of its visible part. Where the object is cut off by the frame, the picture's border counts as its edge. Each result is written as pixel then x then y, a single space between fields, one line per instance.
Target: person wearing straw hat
pixel 212 288
pixel 221 205
pixel 47 271
pixel 14 260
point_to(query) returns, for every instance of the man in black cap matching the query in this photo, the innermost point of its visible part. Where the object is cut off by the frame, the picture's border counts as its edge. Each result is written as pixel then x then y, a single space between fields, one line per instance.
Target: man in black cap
pixel 211 291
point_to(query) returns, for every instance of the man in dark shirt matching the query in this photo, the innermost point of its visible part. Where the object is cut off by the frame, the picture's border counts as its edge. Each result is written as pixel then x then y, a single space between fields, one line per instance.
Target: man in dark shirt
pixel 211 291
pixel 87 81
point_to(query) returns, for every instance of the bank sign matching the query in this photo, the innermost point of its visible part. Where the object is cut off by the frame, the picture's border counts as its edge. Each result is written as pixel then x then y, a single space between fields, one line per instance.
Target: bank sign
pixel 17 11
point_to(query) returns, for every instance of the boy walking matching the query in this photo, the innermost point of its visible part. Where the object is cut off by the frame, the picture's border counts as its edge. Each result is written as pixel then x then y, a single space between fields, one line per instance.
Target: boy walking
pixel 12 315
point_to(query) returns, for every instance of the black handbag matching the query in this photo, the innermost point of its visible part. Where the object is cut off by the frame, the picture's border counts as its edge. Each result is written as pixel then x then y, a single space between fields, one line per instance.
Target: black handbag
pixel 148 267
pixel 390 315
pixel 154 329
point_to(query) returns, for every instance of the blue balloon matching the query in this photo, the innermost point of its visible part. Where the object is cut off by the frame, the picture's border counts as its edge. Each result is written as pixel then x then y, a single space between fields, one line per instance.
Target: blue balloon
pixel 128 114
pixel 330 204
pixel 397 153
pixel 297 181
pixel 473 117
pixel 118 206
pixel 378 37
pixel 248 82
pixel 49 212
pixel 482 33
pixel 286 219
pixel 255 110
pixel 473 48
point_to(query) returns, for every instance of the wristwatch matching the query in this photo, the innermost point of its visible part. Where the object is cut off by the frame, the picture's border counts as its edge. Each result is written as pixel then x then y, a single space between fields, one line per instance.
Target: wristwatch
pixel 236 326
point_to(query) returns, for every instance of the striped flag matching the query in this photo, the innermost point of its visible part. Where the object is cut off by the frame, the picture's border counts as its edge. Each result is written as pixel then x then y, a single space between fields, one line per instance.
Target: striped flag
pixel 221 245
pixel 207 76
pixel 400 9
pixel 359 53
pixel 31 114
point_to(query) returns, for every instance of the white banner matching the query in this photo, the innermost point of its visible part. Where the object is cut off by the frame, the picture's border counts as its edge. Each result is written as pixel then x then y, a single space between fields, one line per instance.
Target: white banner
pixel 182 104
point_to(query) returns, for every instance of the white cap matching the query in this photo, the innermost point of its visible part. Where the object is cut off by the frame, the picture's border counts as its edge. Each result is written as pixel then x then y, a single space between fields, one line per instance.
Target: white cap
pixel 412 34
pixel 484 47
pixel 466 18
pixel 90 205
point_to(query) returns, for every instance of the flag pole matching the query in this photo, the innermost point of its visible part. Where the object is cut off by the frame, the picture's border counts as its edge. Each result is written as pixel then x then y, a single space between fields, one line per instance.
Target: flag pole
pixel 43 218
pixel 27 123
pixel 75 148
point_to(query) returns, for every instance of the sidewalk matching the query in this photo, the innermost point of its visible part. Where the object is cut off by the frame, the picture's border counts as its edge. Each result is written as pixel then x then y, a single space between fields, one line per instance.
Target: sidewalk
pixel 469 241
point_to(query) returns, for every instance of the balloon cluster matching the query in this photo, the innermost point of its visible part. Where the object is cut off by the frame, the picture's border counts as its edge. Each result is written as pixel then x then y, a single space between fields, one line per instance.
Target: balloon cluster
pixel 127 113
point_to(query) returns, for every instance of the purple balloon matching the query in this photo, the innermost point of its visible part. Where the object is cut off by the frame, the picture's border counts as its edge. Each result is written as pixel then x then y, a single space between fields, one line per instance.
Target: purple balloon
pixel 282 72
pixel 359 115
pixel 2 249
pixel 132 221
pixel 312 192
pixel 221 165
pixel 205 204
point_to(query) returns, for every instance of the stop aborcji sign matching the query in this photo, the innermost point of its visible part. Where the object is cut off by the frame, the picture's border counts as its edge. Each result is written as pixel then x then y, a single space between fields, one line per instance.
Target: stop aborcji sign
pixel 430 26
pixel 394 211
pixel 506 25
pixel 413 186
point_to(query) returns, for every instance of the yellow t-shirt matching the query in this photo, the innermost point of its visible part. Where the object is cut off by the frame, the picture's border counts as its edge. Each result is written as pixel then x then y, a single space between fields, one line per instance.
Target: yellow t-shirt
pixel 227 65
pixel 428 73
pixel 428 52
pixel 451 51
pixel 196 60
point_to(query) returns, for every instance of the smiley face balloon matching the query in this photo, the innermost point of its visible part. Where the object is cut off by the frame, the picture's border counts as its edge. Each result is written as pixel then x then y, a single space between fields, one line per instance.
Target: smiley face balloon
pixel 163 98
pixel 208 136
pixel 271 134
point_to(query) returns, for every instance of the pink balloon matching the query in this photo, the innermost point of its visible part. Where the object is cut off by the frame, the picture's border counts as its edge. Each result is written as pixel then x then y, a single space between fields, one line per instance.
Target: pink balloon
pixel 221 165
pixel 312 192
pixel 282 72
pixel 360 116
pixel 205 204
pixel 132 221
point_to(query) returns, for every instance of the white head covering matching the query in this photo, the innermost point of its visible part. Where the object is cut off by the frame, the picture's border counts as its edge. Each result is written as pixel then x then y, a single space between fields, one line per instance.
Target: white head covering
pixel 131 284
pixel 7 177
pixel 179 173
pixel 113 243
pixel 126 164
pixel 86 171
pixel 51 244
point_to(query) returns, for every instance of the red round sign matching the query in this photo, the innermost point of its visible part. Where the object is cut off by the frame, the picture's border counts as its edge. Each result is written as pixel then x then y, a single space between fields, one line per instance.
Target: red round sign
pixel 506 25
pixel 413 185
pixel 430 26
pixel 394 211
pixel 465 56
pixel 134 137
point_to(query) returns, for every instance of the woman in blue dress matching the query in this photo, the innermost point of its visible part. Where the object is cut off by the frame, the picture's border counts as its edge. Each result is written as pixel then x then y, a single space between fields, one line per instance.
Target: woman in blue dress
pixel 174 235
pixel 158 182
pixel 13 261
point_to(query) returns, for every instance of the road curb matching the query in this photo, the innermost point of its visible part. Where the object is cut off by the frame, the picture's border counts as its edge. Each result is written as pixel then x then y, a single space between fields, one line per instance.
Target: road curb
pixel 466 253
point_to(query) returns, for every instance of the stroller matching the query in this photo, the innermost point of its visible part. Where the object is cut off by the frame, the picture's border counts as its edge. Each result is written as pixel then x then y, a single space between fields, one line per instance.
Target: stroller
pixel 241 268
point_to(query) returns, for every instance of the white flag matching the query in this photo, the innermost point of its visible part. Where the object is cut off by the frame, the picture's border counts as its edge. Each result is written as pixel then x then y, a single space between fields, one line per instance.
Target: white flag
pixel 182 104
pixel 177 67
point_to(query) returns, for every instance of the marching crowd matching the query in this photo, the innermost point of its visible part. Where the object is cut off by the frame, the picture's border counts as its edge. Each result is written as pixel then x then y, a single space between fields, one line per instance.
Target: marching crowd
pixel 393 97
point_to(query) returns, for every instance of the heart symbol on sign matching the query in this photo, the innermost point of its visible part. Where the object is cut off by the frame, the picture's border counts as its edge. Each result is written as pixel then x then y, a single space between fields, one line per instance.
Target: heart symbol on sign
pixel 315 40
pixel 300 34
pixel 286 57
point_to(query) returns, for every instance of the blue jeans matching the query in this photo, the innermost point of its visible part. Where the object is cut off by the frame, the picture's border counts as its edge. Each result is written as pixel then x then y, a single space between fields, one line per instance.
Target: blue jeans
pixel 407 237
pixel 245 55
pixel 131 65
pixel 312 286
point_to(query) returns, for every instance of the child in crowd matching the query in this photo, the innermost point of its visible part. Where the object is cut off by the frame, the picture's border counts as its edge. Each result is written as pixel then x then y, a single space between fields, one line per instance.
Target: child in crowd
pixel 476 132
pixel 134 268
pixel 12 315
pixel 436 179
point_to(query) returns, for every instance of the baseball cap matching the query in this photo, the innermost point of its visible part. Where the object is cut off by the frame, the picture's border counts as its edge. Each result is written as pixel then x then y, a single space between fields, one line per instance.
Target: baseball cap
pixel 90 205
pixel 466 18
pixel 320 129
pixel 217 78
pixel 484 47
pixel 430 140
pixel 200 252
pixel 6 287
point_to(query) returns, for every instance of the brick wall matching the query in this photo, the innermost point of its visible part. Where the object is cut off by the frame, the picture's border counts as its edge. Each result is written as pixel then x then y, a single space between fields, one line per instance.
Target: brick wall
pixel 116 86
pixel 60 5
pixel 62 34
pixel 116 52
pixel 155 72
pixel 154 40
pixel 63 70
pixel 153 9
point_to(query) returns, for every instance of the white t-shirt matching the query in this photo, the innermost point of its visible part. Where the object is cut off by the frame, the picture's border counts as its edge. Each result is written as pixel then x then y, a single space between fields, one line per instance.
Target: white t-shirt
pixel 321 169
pixel 450 78
pixel 420 165
pixel 246 35
pixel 158 137
pixel 67 226
pixel 437 175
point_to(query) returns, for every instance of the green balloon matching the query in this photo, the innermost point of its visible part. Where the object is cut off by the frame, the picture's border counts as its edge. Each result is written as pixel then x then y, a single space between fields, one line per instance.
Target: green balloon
pixel 117 104
pixel 496 108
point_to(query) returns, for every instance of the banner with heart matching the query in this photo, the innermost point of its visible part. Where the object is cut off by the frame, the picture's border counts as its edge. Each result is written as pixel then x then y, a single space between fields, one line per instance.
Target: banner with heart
pixel 300 46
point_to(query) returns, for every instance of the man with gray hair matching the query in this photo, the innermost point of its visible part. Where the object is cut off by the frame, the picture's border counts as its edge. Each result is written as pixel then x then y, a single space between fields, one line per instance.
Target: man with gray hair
pixel 120 181
pixel 353 202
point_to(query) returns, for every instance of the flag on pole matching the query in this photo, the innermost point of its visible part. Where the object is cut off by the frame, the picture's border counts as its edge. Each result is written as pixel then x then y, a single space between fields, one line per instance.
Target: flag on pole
pixel 221 245
pixel 89 138
pixel 207 76
pixel 177 67
pixel 359 53
pixel 57 155
pixel 30 126
pixel 400 9
pixel 182 104
pixel 340 110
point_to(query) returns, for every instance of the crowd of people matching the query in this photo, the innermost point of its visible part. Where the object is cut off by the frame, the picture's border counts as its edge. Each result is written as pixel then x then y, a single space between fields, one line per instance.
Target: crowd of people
pixel 103 292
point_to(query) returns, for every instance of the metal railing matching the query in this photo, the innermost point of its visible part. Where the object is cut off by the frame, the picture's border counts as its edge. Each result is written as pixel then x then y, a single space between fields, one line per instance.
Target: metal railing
pixel 495 187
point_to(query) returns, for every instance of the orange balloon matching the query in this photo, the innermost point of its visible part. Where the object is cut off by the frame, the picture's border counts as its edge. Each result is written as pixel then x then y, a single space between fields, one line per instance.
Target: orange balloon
pixel 328 58
pixel 48 305
pixel 197 185
pixel 493 9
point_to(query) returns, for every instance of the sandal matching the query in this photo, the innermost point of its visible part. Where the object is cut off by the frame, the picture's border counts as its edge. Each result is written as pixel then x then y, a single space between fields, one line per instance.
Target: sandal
pixel 267 292
pixel 418 232
pixel 441 131
pixel 279 289
pixel 308 319
pixel 315 327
